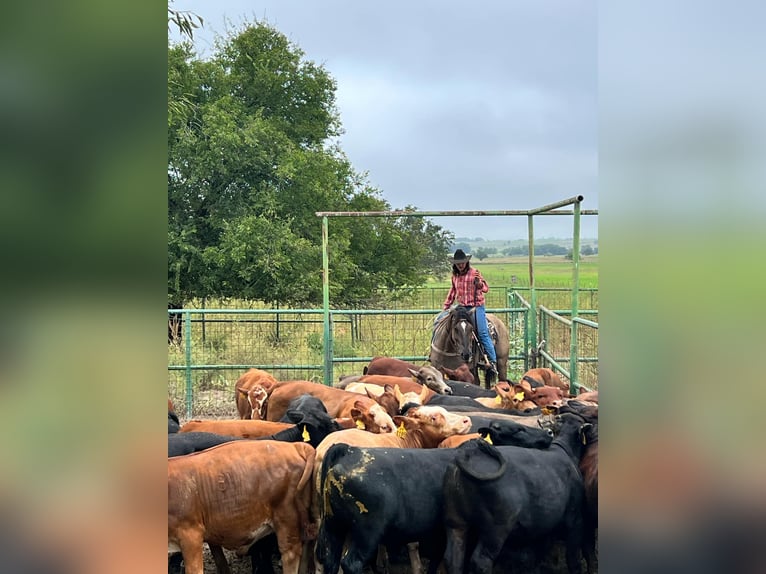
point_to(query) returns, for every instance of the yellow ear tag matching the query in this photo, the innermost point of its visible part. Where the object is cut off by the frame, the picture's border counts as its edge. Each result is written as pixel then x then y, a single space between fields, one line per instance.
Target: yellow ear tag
pixel 401 432
pixel 498 399
pixel 583 439
pixel 360 425
pixel 519 396
pixel 305 434
pixel 488 438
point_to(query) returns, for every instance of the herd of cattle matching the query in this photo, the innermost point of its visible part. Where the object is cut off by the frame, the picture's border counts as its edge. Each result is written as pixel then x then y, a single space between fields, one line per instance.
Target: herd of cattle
pixel 471 479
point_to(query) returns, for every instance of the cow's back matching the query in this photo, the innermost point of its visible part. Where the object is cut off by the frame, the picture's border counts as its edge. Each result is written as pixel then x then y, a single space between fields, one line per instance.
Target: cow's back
pixel 333 399
pixel 389 366
pixel 236 427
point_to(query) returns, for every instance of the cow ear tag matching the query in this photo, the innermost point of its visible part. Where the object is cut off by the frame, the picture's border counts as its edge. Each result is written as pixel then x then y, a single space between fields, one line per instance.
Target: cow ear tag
pixel 498 399
pixel 488 438
pixel 360 425
pixel 519 396
pixel 401 432
pixel 305 434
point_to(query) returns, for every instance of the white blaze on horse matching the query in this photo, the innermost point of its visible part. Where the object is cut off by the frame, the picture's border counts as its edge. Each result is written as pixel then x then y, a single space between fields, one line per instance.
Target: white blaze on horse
pixel 455 343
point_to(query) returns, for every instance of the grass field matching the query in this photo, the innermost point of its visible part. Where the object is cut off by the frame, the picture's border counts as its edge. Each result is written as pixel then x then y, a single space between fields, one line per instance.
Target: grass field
pixel 550 271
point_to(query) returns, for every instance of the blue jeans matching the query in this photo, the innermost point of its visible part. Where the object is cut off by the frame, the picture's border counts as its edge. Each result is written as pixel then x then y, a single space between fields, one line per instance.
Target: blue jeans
pixel 483 333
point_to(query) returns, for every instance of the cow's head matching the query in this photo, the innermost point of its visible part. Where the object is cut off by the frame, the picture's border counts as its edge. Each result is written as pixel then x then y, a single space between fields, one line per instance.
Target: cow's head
pixel 462 373
pixel 256 398
pixel 431 378
pixel 387 399
pixel 547 396
pixel 372 417
pixel 410 397
pixel 439 422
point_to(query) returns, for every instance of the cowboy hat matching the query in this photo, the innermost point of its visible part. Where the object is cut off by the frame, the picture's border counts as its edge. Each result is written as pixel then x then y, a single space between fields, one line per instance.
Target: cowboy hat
pixel 460 257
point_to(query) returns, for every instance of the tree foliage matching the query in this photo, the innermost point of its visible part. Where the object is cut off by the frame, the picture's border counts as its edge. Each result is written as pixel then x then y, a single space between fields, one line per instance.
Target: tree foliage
pixel 252 156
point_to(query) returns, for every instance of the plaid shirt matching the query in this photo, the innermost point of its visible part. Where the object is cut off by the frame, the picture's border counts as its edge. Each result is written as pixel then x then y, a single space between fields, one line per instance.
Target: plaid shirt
pixel 464 290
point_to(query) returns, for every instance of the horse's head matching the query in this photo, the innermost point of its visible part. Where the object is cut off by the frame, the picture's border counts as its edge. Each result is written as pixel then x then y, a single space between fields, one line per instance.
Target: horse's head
pixel 462 331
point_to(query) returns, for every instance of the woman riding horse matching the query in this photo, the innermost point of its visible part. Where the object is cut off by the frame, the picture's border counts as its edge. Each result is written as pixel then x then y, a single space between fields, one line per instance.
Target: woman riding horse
pixel 468 287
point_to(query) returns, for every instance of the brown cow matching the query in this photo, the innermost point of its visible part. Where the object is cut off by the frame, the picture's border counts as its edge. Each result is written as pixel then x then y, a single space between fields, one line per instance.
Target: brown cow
pixel 250 392
pixel 522 396
pixel 339 404
pixel 236 493
pixel 462 373
pixel 543 376
pixel 457 439
pixel 236 427
pixel 425 375
pixel 588 396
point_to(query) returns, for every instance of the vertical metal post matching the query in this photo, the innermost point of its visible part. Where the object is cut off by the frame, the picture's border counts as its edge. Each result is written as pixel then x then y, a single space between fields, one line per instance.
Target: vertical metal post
pixel 532 342
pixel 187 342
pixel 204 330
pixel 328 376
pixel 575 300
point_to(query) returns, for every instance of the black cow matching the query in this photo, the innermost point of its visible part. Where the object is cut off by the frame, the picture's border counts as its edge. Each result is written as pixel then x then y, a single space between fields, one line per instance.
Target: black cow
pixel 371 497
pixel 312 423
pixel 462 389
pixel 180 444
pixel 538 494
pixel 510 433
pixel 173 423
pixel 470 407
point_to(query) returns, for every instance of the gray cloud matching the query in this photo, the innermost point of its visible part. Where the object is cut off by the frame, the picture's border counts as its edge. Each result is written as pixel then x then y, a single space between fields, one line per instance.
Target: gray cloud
pixel 452 106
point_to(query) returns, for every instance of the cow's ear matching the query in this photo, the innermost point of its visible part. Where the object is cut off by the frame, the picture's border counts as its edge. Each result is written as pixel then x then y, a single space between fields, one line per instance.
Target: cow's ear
pixel 369 394
pixel 407 422
pixel 414 373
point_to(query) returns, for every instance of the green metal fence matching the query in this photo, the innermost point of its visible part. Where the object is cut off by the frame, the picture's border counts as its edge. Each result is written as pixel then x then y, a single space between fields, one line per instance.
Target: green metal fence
pixel 217 345
pixel 569 346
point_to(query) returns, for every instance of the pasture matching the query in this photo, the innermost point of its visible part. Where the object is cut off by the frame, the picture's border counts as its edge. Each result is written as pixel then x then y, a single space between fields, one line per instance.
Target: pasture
pixel 550 271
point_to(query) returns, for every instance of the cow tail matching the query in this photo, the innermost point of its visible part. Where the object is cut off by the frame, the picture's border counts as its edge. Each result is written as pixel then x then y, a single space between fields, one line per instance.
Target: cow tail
pixel 464 458
pixel 304 494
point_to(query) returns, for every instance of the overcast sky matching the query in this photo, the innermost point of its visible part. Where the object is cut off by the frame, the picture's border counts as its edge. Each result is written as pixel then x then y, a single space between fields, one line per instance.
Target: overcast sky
pixel 453 105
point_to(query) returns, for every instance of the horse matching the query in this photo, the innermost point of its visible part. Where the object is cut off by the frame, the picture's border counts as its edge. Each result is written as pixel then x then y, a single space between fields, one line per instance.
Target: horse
pixel 455 343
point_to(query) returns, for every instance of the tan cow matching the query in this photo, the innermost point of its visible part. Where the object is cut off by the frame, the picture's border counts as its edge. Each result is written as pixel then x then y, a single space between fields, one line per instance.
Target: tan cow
pixel 236 427
pixel 543 376
pixel 250 392
pixel 234 494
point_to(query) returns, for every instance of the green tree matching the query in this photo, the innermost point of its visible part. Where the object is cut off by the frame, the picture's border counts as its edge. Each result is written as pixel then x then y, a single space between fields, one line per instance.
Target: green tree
pixel 481 253
pixel 251 159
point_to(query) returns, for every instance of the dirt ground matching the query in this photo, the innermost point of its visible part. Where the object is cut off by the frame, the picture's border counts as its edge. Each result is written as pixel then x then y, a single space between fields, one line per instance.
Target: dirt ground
pixel 553 564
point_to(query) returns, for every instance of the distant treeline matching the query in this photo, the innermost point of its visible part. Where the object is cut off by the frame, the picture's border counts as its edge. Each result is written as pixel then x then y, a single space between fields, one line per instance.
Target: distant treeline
pixel 523 249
